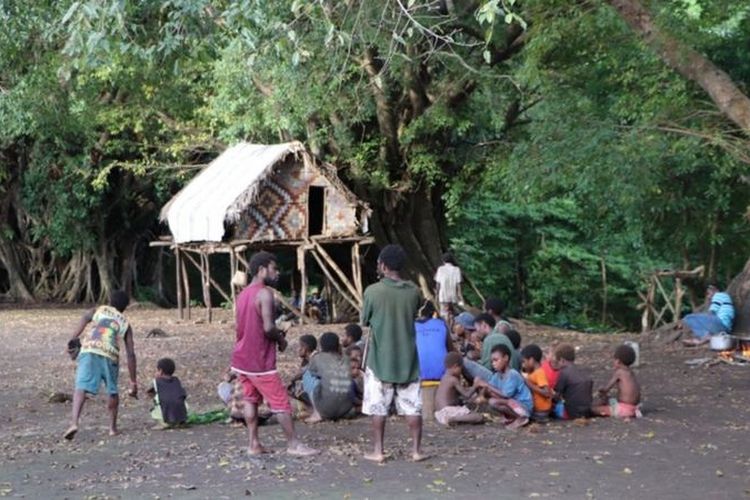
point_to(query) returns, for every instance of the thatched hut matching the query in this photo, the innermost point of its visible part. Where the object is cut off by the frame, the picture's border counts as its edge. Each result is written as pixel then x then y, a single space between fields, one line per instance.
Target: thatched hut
pixel 254 196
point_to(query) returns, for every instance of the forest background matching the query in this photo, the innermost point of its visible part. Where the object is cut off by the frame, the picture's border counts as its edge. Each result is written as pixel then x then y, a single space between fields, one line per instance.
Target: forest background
pixel 563 149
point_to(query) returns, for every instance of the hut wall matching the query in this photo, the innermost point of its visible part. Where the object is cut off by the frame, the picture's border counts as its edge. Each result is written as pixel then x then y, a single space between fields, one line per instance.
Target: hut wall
pixel 281 209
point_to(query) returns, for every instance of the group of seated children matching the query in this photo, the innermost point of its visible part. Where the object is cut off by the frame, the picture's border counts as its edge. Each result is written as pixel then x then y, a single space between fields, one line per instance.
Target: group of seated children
pixel 329 383
pixel 524 385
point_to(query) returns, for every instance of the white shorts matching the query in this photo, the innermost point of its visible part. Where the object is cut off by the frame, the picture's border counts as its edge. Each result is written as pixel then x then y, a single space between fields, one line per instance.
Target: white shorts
pixel 379 396
pixel 445 415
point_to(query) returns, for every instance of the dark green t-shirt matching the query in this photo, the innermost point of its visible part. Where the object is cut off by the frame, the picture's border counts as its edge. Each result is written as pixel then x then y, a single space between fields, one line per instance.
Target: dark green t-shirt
pixel 389 309
pixel 491 341
pixel 332 396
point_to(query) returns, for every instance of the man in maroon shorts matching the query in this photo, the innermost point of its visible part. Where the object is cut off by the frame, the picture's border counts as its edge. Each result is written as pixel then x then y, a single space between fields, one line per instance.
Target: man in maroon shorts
pixel 254 355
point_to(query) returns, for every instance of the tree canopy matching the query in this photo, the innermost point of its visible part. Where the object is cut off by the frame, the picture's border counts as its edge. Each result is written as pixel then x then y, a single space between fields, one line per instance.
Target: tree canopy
pixel 561 152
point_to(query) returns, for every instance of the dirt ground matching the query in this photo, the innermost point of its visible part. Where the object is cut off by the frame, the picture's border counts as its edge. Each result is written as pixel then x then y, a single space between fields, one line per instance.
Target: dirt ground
pixel 692 443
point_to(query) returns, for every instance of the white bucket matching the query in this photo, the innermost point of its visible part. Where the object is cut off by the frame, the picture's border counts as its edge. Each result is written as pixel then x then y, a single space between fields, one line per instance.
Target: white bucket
pixel 637 349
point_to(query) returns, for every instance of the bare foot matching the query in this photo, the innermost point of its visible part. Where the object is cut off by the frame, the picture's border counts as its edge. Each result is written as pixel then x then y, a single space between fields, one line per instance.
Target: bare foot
pixel 71 432
pixel 375 457
pixel 419 457
pixel 302 451
pixel 314 418
pixel 518 423
pixel 114 432
pixel 257 450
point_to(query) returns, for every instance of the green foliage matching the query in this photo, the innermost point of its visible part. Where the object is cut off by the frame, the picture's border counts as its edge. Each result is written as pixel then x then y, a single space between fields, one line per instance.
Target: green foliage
pixel 544 264
pixel 551 141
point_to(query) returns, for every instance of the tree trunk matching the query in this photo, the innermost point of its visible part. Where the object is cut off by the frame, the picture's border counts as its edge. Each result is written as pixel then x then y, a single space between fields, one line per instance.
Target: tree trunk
pixel 739 289
pixel 104 264
pixel 19 289
pixel 730 100
pixel 408 219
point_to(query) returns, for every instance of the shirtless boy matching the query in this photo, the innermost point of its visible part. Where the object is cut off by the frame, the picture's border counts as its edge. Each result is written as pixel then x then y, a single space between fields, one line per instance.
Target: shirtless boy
pixel 626 405
pixel 449 409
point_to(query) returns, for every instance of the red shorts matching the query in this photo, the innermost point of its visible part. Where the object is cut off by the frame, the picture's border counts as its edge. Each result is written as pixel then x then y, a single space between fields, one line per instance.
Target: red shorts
pixel 268 388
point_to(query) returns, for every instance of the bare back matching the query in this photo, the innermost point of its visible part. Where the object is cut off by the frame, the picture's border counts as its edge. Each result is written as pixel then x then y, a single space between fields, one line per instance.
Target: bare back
pixel 446 394
pixel 628 388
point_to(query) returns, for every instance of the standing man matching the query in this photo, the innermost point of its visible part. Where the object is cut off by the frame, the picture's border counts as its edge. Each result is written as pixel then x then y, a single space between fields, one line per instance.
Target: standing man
pixel 254 355
pixel 99 358
pixel 448 287
pixel 392 367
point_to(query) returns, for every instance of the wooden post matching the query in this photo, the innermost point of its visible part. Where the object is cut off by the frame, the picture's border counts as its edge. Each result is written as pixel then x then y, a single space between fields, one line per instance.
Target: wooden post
pixel 186 283
pixel 303 278
pixel 178 276
pixel 232 271
pixel 206 275
pixel 357 269
pixel 667 297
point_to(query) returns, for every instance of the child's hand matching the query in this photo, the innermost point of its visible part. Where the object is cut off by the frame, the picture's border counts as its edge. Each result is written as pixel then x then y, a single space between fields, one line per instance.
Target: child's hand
pixel 602 391
pixel 479 383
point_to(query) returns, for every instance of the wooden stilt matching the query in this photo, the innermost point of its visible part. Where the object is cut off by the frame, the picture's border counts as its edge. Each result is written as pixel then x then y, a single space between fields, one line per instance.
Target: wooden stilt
pixel 303 278
pixel 357 269
pixel 244 262
pixel 178 279
pixel 207 285
pixel 318 248
pixel 186 284
pixel 232 272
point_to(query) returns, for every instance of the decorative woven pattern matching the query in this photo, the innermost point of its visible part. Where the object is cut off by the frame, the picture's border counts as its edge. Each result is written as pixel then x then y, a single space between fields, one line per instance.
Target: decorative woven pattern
pixel 280 212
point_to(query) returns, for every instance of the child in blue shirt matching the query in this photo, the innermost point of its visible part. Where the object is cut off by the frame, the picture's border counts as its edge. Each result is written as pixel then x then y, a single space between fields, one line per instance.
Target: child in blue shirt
pixel 506 389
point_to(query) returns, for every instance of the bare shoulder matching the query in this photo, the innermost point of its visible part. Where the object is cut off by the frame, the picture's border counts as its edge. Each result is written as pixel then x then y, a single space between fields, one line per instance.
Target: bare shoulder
pixel 264 294
pixel 625 373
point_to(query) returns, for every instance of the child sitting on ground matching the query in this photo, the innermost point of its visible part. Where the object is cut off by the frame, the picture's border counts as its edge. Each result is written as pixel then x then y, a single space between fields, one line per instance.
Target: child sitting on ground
pixel 551 370
pixel 536 379
pixel 352 336
pixel 574 384
pixel 627 403
pixel 506 389
pixel 306 348
pixel 448 406
pixel 169 395
pixel 327 381
pixel 357 390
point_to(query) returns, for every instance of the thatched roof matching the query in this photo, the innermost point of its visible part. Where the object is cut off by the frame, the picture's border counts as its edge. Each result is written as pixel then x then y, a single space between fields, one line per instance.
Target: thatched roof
pixel 224 189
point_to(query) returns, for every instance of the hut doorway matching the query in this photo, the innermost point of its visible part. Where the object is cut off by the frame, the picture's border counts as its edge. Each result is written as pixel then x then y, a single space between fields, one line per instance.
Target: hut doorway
pixel 316 197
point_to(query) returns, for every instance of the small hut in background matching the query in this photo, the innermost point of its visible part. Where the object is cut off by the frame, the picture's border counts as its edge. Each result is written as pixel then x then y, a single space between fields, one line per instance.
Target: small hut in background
pixel 257 196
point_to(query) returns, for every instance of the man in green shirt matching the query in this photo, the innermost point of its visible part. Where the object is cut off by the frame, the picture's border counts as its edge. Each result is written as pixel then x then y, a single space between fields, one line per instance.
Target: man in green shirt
pixel 485 325
pixel 392 366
